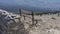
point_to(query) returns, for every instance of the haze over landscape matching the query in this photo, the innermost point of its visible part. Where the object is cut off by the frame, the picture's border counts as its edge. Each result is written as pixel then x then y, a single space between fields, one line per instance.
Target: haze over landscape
pixel 44 18
pixel 30 4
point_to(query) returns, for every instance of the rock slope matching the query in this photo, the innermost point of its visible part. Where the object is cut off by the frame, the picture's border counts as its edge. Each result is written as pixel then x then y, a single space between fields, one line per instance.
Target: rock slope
pixel 10 24
pixel 46 24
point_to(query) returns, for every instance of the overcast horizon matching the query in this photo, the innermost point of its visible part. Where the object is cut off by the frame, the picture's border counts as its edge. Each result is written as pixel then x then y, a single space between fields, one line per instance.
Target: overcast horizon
pixel 42 4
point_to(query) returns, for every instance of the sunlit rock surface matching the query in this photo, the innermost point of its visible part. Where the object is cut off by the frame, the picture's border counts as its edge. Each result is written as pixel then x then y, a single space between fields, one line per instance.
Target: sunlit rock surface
pixel 47 24
pixel 11 24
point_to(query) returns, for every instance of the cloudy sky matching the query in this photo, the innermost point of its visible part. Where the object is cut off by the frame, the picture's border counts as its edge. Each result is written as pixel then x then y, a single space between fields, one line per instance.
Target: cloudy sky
pixel 53 4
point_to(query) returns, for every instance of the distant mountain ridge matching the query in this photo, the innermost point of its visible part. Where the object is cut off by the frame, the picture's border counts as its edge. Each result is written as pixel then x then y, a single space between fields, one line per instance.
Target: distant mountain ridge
pixel 28 8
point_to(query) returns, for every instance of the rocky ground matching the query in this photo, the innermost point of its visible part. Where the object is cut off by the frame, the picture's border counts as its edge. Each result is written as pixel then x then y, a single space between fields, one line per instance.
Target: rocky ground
pixel 46 24
pixel 10 23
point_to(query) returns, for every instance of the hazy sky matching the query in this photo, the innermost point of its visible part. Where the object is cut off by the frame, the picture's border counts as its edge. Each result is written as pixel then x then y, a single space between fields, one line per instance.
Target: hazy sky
pixel 53 4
